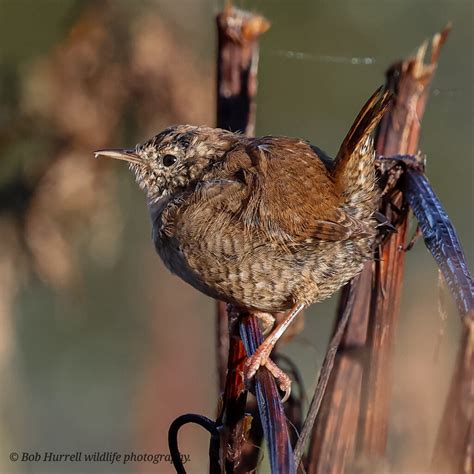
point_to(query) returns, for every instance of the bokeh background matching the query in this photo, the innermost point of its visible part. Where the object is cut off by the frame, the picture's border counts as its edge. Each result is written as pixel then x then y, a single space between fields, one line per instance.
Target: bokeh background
pixel 100 347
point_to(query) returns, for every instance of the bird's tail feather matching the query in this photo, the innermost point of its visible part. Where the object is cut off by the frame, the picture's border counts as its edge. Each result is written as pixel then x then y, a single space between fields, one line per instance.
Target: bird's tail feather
pixel 364 124
pixel 354 169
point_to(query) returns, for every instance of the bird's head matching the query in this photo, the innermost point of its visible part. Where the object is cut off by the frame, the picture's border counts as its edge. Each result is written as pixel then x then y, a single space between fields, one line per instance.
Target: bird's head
pixel 175 158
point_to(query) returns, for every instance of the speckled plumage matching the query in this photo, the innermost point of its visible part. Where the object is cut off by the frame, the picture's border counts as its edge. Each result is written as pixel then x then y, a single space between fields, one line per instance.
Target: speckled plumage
pixel 264 223
pixel 252 239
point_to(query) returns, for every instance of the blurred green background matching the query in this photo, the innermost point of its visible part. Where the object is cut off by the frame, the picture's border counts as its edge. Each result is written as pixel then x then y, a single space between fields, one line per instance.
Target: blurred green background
pixel 100 347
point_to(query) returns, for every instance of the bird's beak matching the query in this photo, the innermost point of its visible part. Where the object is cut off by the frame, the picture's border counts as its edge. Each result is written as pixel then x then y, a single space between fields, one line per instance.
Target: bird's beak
pixel 119 154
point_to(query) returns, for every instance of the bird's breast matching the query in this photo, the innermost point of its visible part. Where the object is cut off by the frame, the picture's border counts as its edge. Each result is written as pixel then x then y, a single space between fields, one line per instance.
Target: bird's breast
pixel 221 257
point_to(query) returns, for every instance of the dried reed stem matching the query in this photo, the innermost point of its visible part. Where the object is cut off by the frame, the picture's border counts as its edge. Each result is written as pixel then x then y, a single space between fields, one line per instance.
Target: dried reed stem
pixel 237 62
pixel 355 410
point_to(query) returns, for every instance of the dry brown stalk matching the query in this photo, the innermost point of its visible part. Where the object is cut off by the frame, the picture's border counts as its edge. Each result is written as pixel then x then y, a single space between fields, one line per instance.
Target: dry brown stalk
pixel 237 65
pixel 355 408
pixel 454 448
pixel 363 368
pixel 237 62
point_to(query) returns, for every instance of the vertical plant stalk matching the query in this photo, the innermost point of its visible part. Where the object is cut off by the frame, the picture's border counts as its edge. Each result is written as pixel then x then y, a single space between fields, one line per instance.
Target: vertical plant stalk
pixel 232 414
pixel 399 134
pixel 223 344
pixel 335 431
pixel 237 63
pixel 454 447
pixel 270 407
pixel 355 410
pixel 326 369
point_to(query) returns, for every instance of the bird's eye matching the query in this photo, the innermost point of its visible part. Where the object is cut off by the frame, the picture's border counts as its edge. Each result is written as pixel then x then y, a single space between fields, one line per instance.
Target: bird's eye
pixel 169 160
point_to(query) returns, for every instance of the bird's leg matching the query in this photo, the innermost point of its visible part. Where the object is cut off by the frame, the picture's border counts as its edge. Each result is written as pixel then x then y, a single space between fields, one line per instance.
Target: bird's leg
pixel 262 355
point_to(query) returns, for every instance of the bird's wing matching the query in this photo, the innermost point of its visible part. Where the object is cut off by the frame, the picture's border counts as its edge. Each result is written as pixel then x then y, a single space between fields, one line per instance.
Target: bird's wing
pixel 280 188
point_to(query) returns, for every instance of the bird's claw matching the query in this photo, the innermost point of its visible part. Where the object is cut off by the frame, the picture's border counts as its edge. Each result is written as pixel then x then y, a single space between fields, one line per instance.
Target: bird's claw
pixel 415 162
pixel 262 358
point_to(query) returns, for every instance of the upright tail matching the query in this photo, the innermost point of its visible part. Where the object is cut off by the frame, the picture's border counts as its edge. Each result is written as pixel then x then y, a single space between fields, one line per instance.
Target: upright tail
pixel 354 169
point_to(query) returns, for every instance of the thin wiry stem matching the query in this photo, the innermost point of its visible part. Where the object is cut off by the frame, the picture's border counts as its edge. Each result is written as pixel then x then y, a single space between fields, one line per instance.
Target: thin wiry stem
pixel 324 375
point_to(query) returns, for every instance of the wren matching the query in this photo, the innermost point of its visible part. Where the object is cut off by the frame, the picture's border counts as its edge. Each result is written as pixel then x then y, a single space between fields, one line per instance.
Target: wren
pixel 267 224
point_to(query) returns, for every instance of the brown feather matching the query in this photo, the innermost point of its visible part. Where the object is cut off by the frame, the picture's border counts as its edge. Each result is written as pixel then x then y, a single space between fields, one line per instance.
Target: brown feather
pixel 264 223
pixel 286 204
pixel 363 125
pixel 354 168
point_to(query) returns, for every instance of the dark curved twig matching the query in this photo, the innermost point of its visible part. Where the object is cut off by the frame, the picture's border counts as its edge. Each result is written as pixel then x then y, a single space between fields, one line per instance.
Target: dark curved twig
pixel 208 425
pixel 440 238
pixel 269 404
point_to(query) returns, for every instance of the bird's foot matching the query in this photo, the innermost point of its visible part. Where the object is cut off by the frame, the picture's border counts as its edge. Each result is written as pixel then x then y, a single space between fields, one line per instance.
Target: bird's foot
pixel 414 162
pixel 261 357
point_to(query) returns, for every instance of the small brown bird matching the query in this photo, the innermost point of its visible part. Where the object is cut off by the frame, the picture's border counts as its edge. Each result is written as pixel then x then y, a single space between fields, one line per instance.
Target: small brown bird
pixel 268 224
